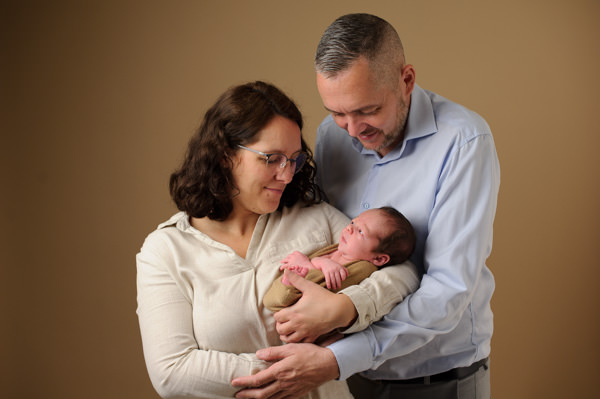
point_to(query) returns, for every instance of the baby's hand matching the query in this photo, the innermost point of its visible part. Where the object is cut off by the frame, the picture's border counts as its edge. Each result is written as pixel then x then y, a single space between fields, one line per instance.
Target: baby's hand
pixel 334 272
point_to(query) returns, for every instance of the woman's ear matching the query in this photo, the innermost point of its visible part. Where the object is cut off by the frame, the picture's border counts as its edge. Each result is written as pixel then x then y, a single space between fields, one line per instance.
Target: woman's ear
pixel 226 161
pixel 380 260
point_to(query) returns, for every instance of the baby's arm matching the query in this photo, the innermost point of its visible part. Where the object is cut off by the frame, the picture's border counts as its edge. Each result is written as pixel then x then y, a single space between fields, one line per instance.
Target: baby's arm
pixel 334 272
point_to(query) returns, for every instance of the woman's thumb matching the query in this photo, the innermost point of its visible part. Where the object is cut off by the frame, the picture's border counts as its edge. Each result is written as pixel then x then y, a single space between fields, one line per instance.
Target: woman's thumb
pixel 297 281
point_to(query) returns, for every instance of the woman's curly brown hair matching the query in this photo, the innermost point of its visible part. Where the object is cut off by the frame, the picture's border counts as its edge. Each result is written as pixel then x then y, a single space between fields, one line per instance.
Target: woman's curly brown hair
pixel 204 185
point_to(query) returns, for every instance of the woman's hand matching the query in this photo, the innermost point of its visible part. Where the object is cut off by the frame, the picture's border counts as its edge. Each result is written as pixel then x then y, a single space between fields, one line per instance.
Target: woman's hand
pixel 318 311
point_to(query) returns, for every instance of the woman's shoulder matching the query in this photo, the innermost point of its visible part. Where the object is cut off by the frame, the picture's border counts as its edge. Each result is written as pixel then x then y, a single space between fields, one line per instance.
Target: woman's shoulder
pixel 309 217
pixel 304 210
pixel 176 224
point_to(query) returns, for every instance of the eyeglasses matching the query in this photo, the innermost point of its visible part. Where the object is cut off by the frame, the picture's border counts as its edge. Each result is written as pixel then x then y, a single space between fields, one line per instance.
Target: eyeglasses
pixel 280 161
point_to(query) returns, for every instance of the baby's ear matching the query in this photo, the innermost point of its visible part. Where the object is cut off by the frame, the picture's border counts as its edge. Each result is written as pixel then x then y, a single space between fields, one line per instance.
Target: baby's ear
pixel 380 260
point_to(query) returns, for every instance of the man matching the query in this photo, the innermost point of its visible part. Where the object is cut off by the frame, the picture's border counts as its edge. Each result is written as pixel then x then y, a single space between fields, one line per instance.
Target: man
pixel 434 161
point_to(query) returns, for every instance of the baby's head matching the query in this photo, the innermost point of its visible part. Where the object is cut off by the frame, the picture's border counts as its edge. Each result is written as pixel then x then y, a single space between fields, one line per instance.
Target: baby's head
pixel 381 236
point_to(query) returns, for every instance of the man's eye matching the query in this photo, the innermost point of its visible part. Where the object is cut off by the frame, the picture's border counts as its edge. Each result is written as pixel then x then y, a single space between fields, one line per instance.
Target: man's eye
pixel 369 112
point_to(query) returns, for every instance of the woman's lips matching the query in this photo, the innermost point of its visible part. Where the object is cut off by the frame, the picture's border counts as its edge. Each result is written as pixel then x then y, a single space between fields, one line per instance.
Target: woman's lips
pixel 275 190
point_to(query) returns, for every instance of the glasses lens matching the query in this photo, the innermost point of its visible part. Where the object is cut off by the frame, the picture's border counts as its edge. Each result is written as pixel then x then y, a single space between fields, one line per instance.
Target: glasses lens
pixel 299 162
pixel 277 160
pixel 280 161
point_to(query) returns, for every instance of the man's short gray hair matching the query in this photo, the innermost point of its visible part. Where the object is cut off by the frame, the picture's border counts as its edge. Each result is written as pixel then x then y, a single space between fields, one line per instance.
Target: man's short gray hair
pixel 359 35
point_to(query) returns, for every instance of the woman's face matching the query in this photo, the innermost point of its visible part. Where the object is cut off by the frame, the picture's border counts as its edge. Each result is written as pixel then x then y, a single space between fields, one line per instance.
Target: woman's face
pixel 260 188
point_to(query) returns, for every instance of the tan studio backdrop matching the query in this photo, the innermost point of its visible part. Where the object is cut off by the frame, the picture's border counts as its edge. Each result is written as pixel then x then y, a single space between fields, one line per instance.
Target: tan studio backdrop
pixel 99 99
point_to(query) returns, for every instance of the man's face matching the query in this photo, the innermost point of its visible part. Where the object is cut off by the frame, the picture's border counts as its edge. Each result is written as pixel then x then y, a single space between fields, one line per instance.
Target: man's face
pixel 373 113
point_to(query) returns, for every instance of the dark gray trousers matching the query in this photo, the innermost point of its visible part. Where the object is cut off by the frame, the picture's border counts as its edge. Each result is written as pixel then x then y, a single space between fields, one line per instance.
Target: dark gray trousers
pixel 475 386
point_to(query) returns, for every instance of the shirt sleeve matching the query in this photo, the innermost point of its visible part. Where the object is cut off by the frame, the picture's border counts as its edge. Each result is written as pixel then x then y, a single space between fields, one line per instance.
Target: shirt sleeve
pixel 458 243
pixel 176 365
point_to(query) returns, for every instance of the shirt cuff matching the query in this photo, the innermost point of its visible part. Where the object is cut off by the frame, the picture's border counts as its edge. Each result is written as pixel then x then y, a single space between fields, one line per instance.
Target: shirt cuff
pixel 353 354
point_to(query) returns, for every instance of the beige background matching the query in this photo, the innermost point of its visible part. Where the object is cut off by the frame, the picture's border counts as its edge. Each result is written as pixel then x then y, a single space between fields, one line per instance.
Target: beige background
pixel 99 99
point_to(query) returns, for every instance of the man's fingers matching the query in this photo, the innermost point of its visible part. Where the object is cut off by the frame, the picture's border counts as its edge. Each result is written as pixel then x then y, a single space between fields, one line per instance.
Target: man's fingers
pixel 257 380
pixel 269 391
pixel 272 354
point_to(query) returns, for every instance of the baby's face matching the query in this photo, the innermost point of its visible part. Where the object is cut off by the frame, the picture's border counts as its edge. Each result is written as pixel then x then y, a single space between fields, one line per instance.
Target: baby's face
pixel 362 236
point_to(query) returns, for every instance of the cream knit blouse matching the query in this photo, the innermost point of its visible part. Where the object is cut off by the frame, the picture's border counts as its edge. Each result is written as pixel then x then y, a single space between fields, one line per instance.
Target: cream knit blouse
pixel 200 304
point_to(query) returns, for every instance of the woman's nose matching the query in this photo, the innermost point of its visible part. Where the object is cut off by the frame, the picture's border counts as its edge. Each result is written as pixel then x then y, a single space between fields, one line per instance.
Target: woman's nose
pixel 286 173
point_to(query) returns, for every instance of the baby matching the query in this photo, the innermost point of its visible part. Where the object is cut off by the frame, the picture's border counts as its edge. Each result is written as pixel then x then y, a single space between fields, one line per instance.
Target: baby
pixel 375 238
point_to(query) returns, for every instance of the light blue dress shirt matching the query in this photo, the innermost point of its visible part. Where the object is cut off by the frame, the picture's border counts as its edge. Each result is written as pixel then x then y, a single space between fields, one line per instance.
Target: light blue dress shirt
pixel 444 178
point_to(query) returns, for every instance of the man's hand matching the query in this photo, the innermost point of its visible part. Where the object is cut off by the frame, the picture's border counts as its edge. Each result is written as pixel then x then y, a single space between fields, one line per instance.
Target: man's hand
pixel 317 312
pixel 298 369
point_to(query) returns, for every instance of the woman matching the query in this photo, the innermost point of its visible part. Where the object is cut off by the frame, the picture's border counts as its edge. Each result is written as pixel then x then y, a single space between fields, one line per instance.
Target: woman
pixel 247 198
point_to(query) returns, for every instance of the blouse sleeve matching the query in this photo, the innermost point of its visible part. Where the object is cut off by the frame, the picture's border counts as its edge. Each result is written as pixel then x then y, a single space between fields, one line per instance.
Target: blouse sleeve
pixel 176 365
pixel 377 295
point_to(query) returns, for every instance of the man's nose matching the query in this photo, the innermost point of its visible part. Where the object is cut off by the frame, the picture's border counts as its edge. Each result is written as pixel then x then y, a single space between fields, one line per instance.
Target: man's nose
pixel 354 126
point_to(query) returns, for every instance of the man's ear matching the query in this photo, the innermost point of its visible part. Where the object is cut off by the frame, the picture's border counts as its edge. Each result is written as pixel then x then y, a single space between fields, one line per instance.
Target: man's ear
pixel 380 260
pixel 407 82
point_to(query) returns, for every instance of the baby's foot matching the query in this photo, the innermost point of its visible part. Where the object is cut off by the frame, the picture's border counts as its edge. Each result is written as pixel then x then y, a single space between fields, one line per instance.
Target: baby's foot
pixel 301 271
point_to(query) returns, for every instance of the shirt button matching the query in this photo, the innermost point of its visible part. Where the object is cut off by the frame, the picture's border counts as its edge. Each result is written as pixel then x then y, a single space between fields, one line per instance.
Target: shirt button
pixel 366 205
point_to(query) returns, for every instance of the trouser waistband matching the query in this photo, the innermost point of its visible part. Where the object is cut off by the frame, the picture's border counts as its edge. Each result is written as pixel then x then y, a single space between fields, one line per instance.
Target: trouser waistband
pixel 455 374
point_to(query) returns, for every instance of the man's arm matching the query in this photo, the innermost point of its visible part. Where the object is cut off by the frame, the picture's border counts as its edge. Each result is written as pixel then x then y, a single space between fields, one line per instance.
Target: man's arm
pixel 457 285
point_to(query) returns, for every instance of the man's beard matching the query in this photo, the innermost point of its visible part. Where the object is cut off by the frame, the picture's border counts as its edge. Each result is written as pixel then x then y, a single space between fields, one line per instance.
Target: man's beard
pixel 397 135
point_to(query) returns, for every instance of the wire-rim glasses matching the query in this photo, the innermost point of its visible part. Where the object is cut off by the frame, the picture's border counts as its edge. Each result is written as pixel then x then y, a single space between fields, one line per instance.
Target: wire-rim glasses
pixel 276 160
